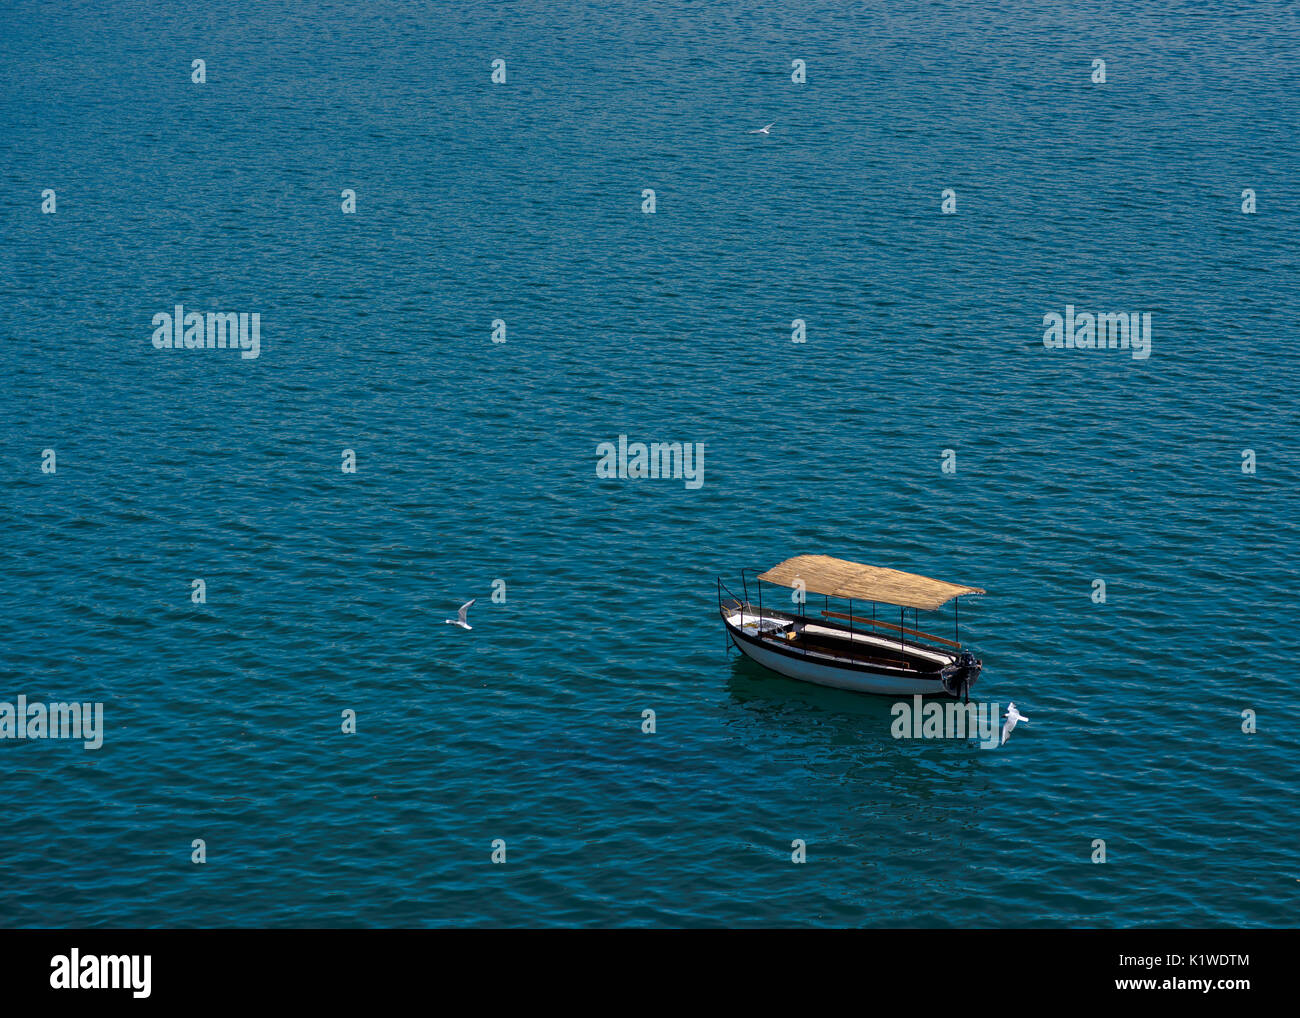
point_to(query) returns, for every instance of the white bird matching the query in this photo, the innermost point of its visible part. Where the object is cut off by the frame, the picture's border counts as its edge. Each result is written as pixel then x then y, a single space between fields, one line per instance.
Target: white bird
pixel 1012 717
pixel 764 130
pixel 459 620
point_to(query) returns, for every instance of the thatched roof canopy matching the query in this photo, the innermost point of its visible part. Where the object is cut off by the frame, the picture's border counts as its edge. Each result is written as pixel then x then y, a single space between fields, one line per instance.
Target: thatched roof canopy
pixel 835 577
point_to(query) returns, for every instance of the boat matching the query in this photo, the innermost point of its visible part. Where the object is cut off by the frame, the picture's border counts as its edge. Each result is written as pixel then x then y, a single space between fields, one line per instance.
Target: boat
pixel 847 650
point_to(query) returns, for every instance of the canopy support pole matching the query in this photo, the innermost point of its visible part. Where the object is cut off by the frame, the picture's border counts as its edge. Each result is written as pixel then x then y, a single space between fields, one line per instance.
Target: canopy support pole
pixel 803 615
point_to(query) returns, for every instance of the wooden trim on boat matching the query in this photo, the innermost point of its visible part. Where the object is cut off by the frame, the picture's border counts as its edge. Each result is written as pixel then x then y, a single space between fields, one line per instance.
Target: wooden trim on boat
pixel 792 651
pixel 888 625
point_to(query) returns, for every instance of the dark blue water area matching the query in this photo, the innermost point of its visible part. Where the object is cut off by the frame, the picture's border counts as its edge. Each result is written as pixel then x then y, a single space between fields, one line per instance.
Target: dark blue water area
pixel 476 461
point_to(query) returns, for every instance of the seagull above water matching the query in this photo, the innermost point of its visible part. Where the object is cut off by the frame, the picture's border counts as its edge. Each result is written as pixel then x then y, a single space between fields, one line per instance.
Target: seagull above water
pixel 459 620
pixel 1012 716
pixel 764 130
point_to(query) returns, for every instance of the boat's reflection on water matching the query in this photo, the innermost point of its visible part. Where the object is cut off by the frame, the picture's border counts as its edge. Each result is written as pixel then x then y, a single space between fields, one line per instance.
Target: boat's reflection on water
pixel 765 690
pixel 851 732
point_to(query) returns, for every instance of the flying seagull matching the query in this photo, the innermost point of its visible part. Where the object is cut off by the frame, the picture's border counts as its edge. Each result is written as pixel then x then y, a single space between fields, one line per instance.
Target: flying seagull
pixel 1012 716
pixel 459 620
pixel 764 130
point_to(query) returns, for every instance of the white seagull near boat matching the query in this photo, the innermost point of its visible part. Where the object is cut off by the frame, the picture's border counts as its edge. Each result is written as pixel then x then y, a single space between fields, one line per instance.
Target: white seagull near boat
pixel 764 130
pixel 1012 716
pixel 461 615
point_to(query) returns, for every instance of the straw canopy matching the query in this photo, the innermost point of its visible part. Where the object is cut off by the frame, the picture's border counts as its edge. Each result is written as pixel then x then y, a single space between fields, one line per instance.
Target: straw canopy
pixel 835 577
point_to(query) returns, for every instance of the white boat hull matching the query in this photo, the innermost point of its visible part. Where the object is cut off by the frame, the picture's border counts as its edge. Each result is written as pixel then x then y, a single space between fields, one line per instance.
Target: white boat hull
pixel 808 670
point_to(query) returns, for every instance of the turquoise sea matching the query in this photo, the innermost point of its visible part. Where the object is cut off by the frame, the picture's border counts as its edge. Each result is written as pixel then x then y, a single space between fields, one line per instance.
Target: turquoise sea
pixel 522 202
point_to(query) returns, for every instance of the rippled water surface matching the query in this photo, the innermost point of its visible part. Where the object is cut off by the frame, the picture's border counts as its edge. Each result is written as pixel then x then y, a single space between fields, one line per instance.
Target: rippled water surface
pixel 326 591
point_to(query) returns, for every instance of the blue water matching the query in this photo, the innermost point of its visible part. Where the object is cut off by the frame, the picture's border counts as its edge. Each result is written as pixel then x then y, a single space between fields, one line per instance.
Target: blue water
pixel 476 460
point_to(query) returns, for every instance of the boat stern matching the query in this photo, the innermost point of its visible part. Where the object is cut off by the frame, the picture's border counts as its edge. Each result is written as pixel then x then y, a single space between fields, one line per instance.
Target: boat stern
pixel 959 675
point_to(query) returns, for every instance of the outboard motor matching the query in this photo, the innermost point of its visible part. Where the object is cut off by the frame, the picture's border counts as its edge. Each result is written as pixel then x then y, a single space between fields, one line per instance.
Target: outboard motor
pixel 960 675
